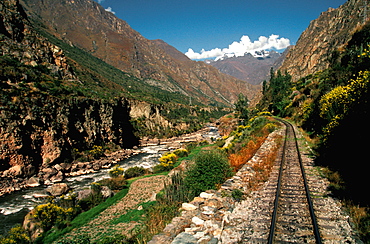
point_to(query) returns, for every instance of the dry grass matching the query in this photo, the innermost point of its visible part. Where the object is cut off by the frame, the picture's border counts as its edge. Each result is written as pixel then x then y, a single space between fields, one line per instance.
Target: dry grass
pixel 264 168
pixel 227 124
pixel 360 217
pixel 237 160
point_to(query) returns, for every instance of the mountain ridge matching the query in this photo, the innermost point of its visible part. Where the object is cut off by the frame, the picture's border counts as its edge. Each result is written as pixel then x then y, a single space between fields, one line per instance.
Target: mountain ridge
pixel 115 42
pixel 251 68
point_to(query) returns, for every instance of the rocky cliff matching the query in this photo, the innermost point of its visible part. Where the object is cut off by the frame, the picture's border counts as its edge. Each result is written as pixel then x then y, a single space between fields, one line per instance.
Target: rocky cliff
pixel 332 29
pixel 85 24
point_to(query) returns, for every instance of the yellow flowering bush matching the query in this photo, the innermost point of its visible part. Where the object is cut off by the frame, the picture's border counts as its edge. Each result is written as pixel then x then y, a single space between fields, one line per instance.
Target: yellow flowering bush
pixel 168 159
pixel 270 127
pixel 16 235
pixel 181 153
pixel 365 52
pixel 97 152
pixel 335 105
pixel 50 214
pixel 264 113
pixel 116 171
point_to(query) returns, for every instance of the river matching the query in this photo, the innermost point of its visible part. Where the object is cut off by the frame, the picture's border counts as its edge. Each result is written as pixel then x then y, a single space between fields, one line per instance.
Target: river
pixel 15 206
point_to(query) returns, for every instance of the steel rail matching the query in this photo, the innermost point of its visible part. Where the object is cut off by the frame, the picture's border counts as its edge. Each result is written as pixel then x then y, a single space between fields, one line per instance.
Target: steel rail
pixel 277 195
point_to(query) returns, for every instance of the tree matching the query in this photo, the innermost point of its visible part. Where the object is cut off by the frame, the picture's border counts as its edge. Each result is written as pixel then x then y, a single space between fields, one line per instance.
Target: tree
pixel 241 107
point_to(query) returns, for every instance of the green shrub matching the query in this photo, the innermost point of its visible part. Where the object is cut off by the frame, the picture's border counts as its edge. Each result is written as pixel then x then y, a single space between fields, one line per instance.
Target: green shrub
pixel 237 195
pixel 211 168
pixel 116 171
pixel 176 192
pixel 134 172
pixel 220 142
pixel 159 168
pixel 115 184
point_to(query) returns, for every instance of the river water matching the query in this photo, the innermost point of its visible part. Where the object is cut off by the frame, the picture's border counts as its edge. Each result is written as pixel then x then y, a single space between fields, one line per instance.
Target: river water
pixel 15 206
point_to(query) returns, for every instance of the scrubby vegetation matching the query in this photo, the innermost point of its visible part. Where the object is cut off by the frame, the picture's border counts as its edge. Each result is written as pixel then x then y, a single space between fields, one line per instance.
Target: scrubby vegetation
pixel 210 168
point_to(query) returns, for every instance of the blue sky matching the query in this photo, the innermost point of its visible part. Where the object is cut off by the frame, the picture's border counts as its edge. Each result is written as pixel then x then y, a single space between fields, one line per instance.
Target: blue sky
pixel 214 25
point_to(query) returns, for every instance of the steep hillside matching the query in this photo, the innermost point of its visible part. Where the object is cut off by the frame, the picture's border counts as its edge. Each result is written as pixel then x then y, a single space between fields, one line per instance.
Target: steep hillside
pixel 115 42
pixel 329 98
pixel 326 34
pixel 252 69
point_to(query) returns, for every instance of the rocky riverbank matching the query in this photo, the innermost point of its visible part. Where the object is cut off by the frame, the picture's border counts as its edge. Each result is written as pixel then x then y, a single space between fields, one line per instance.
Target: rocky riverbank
pixel 57 173
pixel 11 179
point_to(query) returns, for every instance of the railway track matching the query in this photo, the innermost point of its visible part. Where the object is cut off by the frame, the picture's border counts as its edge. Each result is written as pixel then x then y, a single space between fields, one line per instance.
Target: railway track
pixel 293 218
pixel 282 211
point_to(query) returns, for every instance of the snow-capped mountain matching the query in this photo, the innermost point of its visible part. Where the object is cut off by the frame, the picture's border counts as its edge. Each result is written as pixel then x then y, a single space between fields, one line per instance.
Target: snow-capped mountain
pixel 252 67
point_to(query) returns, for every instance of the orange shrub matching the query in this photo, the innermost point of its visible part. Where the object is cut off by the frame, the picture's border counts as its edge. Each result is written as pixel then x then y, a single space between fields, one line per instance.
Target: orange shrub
pixel 237 160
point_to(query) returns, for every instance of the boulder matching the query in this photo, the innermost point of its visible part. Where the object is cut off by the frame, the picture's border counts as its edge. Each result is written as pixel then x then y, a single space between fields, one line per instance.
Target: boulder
pixel 197 221
pixel 188 206
pixel 84 194
pixel 58 189
pixel 31 226
pixel 15 171
pixel 58 177
pixel 33 181
pixel 184 238
pixel 106 192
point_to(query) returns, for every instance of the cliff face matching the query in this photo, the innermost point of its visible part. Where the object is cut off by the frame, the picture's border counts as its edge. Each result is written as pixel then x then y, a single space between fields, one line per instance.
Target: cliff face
pixel 17 40
pixel 332 29
pixel 84 23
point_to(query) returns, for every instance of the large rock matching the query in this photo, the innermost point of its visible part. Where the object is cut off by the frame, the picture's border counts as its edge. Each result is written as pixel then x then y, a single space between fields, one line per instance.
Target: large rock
pixel 184 238
pixel 106 192
pixel 31 226
pixel 58 177
pixel 58 189
pixel 329 33
pixel 84 194
pixel 33 182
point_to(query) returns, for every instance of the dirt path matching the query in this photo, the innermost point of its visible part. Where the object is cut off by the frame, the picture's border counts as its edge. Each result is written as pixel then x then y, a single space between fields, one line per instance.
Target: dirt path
pixel 107 223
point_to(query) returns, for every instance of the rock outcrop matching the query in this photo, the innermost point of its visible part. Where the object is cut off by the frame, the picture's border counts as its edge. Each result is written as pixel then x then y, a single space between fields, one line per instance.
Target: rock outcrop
pixel 326 34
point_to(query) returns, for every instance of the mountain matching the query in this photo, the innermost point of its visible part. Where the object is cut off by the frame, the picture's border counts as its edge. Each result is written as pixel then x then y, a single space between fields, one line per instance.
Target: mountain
pixel 86 25
pixel 317 45
pixel 251 68
pixel 57 100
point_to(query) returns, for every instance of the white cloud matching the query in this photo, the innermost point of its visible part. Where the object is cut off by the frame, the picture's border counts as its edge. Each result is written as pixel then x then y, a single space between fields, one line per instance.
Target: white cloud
pixel 109 9
pixel 100 1
pixel 245 45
